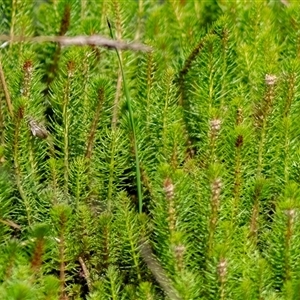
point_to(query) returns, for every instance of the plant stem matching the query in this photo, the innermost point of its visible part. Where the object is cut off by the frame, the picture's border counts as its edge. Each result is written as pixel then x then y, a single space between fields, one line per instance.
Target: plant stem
pixel 137 162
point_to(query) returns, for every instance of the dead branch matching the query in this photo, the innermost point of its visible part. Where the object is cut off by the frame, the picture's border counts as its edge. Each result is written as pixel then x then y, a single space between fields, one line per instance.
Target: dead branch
pixel 80 40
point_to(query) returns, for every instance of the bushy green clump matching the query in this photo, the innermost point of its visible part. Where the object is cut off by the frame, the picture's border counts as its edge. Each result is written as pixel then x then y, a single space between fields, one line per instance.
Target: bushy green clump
pixel 177 178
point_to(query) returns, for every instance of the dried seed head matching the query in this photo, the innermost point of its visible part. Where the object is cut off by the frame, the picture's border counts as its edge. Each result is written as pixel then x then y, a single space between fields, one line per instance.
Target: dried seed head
pixel 270 79
pixel 239 116
pixel 179 250
pixel 71 68
pixel 27 66
pixel 239 141
pixel 169 188
pixel 37 129
pixel 216 186
pixel 291 213
pixel 215 125
pixel 222 268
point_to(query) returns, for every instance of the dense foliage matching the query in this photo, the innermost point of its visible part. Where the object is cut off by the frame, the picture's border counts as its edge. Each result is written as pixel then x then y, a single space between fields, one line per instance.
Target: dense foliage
pixel 208 130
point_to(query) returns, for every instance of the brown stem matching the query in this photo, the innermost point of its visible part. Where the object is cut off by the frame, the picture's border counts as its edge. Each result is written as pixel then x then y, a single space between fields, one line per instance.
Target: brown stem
pixel 6 93
pixel 36 260
pixel 93 130
pixel 64 25
pixel 186 67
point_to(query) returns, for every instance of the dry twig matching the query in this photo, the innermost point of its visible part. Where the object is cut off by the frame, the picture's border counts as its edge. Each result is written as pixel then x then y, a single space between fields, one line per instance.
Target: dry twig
pixel 80 40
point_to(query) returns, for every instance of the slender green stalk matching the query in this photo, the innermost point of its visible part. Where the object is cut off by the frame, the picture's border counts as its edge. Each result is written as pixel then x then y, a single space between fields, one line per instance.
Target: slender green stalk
pixel 137 161
pixel 17 168
pixel 66 122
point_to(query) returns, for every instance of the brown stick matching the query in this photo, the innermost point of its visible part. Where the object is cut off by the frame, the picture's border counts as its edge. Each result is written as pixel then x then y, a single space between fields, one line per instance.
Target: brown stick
pixel 80 40
pixel 86 273
pixel 10 223
pixel 157 270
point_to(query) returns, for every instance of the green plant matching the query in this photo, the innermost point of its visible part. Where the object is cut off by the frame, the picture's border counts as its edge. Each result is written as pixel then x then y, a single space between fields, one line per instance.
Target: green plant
pixel 181 182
